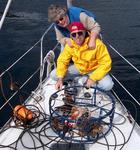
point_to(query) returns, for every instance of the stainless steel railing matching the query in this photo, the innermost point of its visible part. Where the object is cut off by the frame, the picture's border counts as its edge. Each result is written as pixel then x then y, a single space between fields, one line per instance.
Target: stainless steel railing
pixel 5 13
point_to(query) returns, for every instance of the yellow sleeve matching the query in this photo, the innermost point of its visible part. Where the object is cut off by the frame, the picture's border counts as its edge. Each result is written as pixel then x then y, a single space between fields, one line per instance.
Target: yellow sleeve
pixel 63 62
pixel 104 62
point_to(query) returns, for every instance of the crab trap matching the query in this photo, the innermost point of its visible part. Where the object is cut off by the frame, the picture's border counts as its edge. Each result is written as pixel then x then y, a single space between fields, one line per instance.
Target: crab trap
pixel 78 114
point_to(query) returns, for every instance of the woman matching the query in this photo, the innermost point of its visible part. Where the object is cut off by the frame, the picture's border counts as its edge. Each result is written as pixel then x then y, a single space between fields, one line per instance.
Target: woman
pixel 62 17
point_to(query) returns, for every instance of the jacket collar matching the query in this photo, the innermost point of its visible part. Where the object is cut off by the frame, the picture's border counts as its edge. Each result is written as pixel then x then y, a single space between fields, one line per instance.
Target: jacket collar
pixel 83 45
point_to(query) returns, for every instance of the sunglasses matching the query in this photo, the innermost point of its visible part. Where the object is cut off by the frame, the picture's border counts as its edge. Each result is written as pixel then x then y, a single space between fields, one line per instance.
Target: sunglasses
pixel 80 33
pixel 61 19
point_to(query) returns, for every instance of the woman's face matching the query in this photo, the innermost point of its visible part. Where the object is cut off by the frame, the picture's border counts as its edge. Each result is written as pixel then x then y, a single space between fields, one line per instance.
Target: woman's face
pixel 78 37
pixel 63 21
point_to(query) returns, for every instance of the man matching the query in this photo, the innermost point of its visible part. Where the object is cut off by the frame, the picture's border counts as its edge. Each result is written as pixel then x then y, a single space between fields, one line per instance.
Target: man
pixel 96 63
pixel 62 17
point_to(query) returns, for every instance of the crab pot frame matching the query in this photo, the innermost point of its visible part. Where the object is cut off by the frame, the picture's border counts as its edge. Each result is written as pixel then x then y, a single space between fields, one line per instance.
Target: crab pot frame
pixel 95 108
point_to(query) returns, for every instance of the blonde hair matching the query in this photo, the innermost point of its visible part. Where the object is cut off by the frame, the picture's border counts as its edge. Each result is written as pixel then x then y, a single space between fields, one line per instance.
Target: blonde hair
pixel 55 12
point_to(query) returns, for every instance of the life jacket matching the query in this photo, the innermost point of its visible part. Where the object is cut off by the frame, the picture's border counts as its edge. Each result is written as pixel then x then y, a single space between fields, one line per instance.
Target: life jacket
pixel 74 15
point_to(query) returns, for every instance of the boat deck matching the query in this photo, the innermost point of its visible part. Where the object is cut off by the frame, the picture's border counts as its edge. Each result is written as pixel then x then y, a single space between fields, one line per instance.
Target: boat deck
pixel 123 134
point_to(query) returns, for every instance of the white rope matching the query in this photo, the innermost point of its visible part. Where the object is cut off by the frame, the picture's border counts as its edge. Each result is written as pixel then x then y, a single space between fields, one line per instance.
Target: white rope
pixel 5 12
pixel 50 59
pixel 124 58
pixel 126 90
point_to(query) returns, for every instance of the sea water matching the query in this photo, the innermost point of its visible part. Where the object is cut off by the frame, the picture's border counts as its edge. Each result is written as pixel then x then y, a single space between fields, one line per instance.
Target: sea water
pixel 27 21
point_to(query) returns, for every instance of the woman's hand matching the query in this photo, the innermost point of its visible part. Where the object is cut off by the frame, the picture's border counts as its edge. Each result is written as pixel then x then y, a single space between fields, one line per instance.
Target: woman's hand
pixel 69 42
pixel 92 40
pixel 91 44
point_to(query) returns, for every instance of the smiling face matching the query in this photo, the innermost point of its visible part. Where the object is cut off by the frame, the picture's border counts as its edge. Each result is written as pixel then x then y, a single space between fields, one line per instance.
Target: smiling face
pixel 77 32
pixel 58 15
pixel 63 21
pixel 78 37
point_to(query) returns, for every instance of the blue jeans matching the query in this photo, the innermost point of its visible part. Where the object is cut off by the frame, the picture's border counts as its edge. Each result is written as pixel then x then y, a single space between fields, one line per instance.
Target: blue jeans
pixel 105 83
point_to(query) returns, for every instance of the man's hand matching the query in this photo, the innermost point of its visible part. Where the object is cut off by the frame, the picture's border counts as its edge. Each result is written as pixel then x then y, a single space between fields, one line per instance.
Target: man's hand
pixel 90 83
pixel 59 83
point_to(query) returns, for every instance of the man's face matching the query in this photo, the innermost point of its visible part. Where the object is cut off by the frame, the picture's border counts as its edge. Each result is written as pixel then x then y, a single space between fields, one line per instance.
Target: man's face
pixel 78 37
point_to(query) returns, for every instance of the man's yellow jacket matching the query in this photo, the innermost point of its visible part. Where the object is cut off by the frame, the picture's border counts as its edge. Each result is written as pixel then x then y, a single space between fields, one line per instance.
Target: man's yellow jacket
pixel 96 61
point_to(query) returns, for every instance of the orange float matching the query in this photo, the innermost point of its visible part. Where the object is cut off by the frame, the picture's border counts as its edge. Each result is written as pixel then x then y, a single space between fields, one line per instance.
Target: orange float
pixel 22 113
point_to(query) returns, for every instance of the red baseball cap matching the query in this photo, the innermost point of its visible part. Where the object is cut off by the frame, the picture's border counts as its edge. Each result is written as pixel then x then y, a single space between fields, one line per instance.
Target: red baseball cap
pixel 76 26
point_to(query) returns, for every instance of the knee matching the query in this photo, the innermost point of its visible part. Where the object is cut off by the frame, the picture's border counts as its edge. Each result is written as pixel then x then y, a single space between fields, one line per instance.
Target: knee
pixel 106 84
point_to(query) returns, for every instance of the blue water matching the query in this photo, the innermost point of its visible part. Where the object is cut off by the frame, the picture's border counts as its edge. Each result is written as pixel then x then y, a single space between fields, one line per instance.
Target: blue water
pixel 119 20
